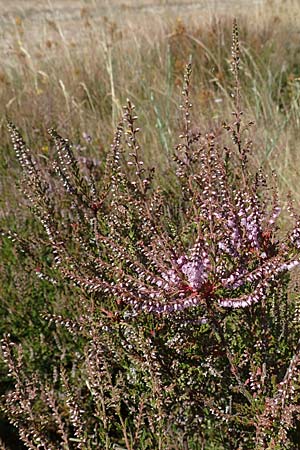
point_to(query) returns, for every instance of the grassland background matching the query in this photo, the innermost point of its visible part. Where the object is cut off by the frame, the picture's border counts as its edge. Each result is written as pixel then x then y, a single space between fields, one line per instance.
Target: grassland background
pixel 71 65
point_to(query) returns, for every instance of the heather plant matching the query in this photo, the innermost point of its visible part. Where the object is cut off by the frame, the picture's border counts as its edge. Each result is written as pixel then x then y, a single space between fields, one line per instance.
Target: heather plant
pixel 186 325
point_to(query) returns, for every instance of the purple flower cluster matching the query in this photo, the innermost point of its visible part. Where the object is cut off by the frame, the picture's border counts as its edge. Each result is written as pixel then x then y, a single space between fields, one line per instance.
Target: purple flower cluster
pixel 237 258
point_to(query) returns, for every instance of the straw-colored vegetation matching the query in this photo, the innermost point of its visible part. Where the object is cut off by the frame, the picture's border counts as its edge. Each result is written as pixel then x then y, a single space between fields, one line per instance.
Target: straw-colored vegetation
pixel 73 68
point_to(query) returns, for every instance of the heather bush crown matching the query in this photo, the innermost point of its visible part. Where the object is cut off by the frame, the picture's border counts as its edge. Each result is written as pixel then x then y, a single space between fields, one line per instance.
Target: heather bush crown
pixel 187 335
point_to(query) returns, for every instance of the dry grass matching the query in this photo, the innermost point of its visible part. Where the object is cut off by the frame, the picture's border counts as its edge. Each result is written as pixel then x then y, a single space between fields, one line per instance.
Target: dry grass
pixel 73 66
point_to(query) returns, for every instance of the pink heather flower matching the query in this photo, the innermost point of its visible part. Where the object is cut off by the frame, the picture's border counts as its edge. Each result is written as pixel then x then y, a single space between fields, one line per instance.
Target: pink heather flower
pixel 275 214
pixel 196 272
